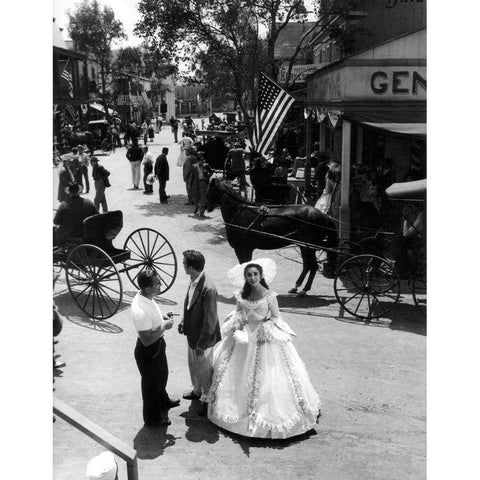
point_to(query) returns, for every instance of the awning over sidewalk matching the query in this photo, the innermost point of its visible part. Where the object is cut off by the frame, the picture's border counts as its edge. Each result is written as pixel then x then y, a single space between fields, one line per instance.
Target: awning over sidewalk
pixel 99 107
pixel 403 128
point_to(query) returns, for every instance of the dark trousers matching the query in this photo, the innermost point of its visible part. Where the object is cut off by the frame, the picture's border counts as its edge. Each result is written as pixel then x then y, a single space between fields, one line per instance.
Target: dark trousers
pixel 161 190
pixel 153 367
pixel 147 170
pixel 84 169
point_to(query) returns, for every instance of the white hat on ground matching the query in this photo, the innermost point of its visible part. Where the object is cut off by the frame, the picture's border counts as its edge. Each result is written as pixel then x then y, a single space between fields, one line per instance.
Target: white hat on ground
pixel 102 467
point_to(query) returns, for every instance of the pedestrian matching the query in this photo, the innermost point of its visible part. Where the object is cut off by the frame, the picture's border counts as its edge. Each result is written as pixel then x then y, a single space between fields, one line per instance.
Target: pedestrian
pixel 185 143
pixel 70 216
pixel 150 354
pixel 332 179
pixel 75 166
pixel 84 163
pixel 190 160
pixel 201 172
pixel 200 325
pixel 174 125
pixel 147 163
pixel 144 128
pixel 260 386
pixel 135 156
pixel 151 131
pixel 162 171
pixel 100 176
pixel 236 155
pixel 65 177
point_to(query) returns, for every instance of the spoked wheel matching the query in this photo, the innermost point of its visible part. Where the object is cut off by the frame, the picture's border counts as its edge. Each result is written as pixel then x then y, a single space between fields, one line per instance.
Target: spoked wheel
pixel 367 286
pixel 107 146
pixel 151 251
pixel 419 290
pixel 93 281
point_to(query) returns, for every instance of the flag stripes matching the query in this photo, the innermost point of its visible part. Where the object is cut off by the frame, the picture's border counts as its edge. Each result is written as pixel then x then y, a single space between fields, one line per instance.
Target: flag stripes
pixel 67 76
pixel 273 105
pixel 73 113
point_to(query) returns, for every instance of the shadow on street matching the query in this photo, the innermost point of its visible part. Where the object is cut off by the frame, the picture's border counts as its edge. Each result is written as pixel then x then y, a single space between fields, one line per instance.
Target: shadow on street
pixel 247 443
pixel 175 206
pixel 199 429
pixel 151 442
pixel 71 312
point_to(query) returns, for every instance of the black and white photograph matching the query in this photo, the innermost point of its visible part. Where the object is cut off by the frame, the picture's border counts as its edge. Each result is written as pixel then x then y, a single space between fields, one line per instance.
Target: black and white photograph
pixel 238 208
pixel 239 239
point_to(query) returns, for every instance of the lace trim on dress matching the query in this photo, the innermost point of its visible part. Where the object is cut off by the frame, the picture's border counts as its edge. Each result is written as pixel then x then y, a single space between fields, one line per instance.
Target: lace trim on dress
pixel 253 384
pixel 238 297
pixel 261 422
pixel 219 377
pixel 296 386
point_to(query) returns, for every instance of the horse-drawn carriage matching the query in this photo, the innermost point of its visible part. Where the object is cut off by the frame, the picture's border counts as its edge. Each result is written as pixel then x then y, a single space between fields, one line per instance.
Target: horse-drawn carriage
pixel 367 276
pixel 93 265
pixel 102 136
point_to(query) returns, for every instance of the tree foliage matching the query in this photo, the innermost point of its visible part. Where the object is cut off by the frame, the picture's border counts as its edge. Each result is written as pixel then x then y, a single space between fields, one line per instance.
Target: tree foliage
pixel 94 31
pixel 224 43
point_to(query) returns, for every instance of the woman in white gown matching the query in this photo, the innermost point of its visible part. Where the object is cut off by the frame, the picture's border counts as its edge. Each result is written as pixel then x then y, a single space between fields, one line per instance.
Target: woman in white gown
pixel 260 386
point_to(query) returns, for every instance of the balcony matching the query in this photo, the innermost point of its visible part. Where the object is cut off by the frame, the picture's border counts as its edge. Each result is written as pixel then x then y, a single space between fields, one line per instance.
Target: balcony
pixel 299 72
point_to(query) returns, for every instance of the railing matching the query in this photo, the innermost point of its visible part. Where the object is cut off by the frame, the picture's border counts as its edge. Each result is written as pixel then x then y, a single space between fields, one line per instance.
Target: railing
pixel 104 438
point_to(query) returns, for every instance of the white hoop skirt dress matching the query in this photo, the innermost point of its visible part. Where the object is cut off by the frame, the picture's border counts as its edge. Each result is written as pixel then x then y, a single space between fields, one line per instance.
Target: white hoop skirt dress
pixel 260 385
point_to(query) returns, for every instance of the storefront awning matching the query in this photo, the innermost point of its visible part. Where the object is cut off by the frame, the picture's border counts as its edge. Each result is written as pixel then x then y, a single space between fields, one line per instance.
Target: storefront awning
pixel 403 128
pixel 99 107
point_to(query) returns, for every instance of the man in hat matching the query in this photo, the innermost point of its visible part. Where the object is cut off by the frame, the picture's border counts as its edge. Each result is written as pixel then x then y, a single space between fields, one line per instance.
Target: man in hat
pixel 162 171
pixel 102 467
pixel 100 176
pixel 321 170
pixel 70 216
pixel 236 155
pixel 65 177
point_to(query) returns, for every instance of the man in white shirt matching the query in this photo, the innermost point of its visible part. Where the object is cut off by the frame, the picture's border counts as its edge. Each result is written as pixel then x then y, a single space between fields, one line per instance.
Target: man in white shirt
pixel 150 350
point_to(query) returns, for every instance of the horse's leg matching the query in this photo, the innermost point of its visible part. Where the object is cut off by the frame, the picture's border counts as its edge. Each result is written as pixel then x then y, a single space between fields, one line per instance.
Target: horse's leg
pixel 332 244
pixel 303 274
pixel 243 254
pixel 310 265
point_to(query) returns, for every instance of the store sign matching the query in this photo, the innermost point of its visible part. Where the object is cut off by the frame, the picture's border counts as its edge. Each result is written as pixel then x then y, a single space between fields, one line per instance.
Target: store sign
pixel 398 82
pixel 365 82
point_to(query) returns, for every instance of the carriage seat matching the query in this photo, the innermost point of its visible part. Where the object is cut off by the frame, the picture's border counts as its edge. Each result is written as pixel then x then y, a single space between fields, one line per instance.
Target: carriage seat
pixel 101 229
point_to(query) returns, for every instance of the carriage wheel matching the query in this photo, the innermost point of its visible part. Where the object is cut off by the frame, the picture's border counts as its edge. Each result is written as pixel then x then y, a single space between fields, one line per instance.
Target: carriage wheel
pixel 151 251
pixel 93 281
pixel 107 146
pixel 367 286
pixel 419 290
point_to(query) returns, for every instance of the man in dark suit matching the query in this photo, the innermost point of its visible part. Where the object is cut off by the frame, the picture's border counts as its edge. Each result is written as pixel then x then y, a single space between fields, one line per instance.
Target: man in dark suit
pixel 162 171
pixel 200 325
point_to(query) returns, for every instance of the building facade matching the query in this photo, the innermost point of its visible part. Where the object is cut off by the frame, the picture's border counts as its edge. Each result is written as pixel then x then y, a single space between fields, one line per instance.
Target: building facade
pixel 368 109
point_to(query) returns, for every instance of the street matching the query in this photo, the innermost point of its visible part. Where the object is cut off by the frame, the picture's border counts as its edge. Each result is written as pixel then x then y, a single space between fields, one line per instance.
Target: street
pixel 371 378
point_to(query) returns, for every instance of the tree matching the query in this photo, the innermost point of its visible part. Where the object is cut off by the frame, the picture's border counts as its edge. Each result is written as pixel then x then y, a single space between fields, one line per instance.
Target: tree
pixel 94 31
pixel 223 39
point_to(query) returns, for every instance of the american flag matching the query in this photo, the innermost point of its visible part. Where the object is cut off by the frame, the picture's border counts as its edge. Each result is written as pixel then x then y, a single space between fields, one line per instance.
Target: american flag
pixel 67 76
pixel 273 105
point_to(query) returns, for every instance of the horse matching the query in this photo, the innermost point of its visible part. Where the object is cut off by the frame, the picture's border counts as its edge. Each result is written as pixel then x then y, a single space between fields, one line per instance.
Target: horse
pixel 249 226
pixel 80 138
